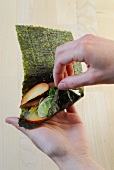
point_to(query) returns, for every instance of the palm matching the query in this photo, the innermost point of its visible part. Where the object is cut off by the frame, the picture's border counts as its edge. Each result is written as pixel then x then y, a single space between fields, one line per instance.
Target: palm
pixel 63 133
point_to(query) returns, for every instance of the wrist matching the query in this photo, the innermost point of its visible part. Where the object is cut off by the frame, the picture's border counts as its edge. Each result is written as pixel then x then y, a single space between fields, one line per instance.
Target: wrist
pixel 73 162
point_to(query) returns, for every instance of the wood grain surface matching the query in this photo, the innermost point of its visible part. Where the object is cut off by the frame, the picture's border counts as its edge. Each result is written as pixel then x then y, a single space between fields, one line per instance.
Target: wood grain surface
pixel 96 108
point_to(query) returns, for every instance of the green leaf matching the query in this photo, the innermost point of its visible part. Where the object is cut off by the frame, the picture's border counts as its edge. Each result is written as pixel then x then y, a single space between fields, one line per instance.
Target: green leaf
pixel 52 92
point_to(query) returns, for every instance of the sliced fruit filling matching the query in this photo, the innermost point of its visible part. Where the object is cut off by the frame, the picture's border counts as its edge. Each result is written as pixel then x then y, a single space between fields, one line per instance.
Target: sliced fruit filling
pixel 37 102
pixel 33 117
pixel 36 91
pixel 38 111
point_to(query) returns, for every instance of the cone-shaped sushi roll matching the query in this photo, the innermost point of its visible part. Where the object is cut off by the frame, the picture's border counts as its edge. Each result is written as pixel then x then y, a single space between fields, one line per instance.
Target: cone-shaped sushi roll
pixel 41 100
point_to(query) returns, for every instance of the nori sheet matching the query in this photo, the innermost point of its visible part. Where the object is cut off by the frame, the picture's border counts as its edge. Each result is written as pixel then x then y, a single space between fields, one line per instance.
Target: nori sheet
pixel 62 100
pixel 38 45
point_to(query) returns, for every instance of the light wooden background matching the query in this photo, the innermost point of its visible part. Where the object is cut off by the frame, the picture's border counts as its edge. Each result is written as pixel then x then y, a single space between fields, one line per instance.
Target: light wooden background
pixel 96 108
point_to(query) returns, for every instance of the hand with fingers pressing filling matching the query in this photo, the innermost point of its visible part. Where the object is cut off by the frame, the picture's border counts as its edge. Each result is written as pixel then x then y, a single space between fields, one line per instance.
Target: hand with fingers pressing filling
pixel 63 139
pixel 96 52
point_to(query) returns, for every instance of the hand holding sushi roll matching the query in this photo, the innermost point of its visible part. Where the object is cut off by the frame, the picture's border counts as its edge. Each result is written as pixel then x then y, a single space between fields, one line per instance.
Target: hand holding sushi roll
pixel 56 128
pixel 63 139
pixel 96 52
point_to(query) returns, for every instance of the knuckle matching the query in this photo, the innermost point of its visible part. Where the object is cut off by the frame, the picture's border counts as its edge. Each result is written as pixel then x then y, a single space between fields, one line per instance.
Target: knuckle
pixel 88 39
pixel 89 36
pixel 95 77
pixel 85 45
pixel 58 50
pixel 58 59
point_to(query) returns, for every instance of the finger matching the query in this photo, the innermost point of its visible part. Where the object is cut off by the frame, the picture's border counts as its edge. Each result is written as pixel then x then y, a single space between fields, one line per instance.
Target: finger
pixel 64 47
pixel 68 45
pixel 70 69
pixel 14 121
pixel 61 75
pixel 72 109
pixel 64 59
pixel 65 74
pixel 62 53
pixel 75 81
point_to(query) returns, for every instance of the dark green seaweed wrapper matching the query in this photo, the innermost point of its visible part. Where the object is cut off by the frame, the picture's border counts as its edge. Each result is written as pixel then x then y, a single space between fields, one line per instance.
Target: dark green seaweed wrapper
pixel 38 45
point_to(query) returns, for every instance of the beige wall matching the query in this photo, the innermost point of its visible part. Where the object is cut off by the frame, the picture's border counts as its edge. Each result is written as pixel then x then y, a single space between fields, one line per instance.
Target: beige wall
pixel 96 108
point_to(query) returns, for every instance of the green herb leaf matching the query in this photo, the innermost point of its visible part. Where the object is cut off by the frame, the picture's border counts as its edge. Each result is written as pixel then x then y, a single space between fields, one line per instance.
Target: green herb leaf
pixel 52 92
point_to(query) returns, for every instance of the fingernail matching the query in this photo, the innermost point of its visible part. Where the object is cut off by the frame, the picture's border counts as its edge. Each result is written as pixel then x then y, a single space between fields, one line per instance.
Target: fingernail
pixel 62 86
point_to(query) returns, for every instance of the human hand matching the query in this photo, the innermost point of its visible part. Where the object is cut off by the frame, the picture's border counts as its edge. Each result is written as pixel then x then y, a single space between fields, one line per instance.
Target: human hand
pixel 63 139
pixel 96 52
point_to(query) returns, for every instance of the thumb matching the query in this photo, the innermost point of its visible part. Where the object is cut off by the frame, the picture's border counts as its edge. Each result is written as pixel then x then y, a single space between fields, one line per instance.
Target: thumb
pixel 79 80
pixel 14 121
